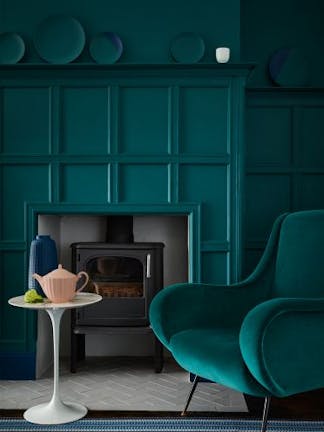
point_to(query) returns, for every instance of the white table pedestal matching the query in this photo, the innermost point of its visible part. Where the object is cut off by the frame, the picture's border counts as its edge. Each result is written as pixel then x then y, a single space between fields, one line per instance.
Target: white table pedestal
pixel 56 411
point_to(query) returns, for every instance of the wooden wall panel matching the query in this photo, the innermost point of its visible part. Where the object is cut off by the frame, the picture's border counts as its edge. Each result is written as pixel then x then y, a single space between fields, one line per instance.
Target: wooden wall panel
pixel 13 283
pixel 140 183
pixel 144 120
pixel 269 135
pixel 84 183
pixel 26 119
pixel 204 120
pixel 284 161
pixel 208 185
pixel 312 137
pixel 268 195
pixel 85 120
pixel 215 267
pixel 21 184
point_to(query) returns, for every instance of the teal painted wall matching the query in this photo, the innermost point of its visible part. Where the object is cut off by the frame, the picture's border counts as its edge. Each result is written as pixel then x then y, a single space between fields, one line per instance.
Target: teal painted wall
pixel 284 127
pixel 269 25
pixel 146 27
pixel 284 160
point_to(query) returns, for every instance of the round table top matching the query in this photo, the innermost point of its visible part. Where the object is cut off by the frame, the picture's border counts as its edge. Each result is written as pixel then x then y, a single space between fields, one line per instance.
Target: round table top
pixel 80 300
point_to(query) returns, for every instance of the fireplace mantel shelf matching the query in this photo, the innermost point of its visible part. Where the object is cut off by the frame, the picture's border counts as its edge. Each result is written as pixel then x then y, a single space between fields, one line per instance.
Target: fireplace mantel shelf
pixel 123 69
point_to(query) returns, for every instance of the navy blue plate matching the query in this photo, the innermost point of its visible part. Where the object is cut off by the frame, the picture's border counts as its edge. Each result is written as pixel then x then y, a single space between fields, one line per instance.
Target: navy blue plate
pixel 106 48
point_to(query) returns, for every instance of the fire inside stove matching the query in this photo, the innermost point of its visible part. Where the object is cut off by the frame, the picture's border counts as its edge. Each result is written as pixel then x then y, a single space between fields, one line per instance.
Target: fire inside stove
pixel 116 276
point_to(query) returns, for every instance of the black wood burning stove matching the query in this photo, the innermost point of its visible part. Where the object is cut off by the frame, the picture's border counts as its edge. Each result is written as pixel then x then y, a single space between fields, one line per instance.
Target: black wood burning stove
pixel 127 275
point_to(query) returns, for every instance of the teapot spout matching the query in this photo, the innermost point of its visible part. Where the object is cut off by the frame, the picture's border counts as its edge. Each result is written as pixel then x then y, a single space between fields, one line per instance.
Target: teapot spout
pixel 38 278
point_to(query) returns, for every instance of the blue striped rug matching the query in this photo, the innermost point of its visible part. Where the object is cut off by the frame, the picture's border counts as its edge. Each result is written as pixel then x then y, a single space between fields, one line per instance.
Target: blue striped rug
pixel 163 425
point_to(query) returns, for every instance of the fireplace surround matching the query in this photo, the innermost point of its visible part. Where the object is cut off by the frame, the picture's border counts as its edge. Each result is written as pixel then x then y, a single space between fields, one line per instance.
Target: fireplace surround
pixel 119 139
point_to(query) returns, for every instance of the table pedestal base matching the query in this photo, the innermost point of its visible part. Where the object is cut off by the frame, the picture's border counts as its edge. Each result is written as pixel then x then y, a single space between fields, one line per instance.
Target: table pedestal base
pixel 55 412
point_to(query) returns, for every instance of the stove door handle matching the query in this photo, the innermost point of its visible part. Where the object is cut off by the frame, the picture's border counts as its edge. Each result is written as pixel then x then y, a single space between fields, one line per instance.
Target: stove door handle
pixel 148 266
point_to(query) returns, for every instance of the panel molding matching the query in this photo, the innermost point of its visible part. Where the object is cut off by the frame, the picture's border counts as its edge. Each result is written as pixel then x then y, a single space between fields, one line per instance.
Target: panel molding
pixel 300 173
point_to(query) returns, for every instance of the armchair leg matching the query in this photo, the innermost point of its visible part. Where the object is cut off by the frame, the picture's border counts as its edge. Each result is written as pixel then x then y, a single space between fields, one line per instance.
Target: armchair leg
pixel 193 388
pixel 265 414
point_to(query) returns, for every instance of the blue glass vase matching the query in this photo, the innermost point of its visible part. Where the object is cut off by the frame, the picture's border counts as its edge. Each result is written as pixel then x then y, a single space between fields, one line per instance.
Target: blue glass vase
pixel 42 260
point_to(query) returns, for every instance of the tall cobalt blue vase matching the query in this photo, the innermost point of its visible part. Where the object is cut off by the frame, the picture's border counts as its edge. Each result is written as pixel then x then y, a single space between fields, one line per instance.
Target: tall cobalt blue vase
pixel 42 260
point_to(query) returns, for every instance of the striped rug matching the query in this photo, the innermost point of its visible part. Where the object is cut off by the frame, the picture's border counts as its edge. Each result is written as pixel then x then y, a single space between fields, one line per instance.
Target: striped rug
pixel 163 425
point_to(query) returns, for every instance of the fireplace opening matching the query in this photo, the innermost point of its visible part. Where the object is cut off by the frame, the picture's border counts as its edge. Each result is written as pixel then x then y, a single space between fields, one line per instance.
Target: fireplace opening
pixel 117 340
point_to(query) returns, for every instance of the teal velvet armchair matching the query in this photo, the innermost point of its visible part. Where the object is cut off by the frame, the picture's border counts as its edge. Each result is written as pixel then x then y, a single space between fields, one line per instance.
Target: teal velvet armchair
pixel 263 336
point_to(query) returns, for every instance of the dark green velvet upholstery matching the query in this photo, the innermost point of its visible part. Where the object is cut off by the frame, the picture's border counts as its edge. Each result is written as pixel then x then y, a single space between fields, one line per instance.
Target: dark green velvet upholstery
pixel 263 336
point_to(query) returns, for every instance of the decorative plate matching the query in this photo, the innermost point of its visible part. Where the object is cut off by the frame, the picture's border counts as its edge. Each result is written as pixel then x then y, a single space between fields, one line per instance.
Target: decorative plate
pixel 59 39
pixel 12 48
pixel 106 48
pixel 187 48
pixel 289 67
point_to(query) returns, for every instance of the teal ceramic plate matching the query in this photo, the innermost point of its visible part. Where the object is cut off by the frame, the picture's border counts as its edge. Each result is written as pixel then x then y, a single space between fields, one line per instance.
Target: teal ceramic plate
pixel 187 48
pixel 59 39
pixel 106 48
pixel 12 48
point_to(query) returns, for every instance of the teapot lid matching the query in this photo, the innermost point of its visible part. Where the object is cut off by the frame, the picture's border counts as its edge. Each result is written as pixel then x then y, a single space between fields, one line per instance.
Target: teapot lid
pixel 60 273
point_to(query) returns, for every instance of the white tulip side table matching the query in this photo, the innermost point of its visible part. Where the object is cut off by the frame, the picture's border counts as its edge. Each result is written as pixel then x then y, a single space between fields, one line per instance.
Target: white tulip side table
pixel 56 411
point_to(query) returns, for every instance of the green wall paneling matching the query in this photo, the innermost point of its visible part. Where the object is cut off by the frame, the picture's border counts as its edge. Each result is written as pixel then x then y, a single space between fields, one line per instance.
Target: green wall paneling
pixel 311 190
pixel 21 183
pixel 214 267
pixel 207 184
pixel 270 134
pixel 284 161
pixel 17 326
pixel 311 137
pixel 125 139
pixel 13 320
pixel 144 106
pixel 205 120
pixel 85 120
pixel 143 183
pixel 268 195
pixel 26 120
pixel 84 183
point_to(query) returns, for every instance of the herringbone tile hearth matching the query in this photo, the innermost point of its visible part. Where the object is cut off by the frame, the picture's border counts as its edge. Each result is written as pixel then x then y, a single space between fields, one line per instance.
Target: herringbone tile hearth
pixel 123 384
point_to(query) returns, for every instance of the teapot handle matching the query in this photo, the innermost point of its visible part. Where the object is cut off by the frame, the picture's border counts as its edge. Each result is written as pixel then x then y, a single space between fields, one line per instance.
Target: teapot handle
pixel 86 279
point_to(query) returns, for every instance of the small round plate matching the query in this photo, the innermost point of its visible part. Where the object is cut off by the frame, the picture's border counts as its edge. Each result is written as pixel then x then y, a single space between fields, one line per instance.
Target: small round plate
pixel 12 48
pixel 106 48
pixel 59 39
pixel 187 48
pixel 289 67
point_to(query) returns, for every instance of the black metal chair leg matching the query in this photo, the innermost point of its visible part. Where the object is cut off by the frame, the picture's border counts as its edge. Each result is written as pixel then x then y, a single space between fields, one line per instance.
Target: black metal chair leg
pixel 193 388
pixel 265 414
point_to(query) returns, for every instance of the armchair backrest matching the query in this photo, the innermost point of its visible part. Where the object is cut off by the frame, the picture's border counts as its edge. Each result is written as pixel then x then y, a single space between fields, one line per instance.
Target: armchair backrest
pixel 299 269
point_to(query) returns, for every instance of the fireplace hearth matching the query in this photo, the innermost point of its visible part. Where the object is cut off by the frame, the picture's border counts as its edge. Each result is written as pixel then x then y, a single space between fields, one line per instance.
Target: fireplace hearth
pixel 127 275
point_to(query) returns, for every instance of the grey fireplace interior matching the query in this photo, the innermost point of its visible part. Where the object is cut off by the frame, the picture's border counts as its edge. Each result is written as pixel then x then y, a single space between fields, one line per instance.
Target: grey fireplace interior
pixel 149 231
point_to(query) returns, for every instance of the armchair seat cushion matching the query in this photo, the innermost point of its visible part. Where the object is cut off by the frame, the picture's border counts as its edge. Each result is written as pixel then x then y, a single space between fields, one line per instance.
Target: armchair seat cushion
pixel 215 354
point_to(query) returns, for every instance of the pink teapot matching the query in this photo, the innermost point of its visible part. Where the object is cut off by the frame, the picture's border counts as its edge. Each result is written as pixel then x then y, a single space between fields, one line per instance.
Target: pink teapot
pixel 59 285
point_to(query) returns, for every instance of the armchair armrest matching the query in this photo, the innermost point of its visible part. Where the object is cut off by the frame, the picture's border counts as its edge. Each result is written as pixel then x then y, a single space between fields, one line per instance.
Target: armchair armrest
pixel 189 305
pixel 282 344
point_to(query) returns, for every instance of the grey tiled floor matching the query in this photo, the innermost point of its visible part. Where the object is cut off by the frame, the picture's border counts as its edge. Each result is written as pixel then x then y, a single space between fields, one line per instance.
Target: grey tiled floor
pixel 123 384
